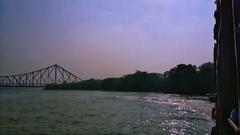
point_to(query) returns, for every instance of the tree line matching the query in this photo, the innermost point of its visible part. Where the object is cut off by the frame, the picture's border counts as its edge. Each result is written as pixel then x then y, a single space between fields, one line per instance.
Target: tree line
pixel 182 79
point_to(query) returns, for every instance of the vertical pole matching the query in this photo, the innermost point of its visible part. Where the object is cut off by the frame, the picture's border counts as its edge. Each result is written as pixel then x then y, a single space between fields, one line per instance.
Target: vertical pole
pixel 55 68
pixel 41 74
pixel 69 79
pixel 227 67
pixel 62 76
pixel 48 75
pixel 26 81
pixel 20 80
pixel 236 17
pixel 33 78
pixel 236 55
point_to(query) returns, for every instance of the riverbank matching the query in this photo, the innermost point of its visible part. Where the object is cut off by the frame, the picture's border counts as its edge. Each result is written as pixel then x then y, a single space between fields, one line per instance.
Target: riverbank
pixel 182 79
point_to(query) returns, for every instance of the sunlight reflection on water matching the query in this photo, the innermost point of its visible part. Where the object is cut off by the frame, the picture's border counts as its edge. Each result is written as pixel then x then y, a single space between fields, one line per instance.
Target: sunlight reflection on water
pixel 189 112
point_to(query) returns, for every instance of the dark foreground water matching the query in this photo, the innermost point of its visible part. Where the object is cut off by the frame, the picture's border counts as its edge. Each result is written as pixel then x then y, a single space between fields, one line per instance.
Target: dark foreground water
pixel 37 112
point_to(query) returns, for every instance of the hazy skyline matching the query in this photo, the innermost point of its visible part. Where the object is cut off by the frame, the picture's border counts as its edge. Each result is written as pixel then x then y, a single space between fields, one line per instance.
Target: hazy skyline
pixel 104 38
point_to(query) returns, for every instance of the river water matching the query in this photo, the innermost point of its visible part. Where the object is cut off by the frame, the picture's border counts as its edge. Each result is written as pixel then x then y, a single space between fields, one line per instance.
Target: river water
pixel 35 111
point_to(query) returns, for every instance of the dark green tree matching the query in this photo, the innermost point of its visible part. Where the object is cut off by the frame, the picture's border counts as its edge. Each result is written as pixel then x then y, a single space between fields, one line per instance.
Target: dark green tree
pixel 182 79
pixel 206 78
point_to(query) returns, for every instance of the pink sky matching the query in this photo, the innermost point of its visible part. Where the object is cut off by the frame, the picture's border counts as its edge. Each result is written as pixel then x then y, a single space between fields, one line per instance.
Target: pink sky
pixel 104 38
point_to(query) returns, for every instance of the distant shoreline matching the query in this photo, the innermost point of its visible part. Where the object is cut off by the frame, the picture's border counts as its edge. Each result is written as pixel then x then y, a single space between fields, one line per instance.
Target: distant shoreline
pixel 182 79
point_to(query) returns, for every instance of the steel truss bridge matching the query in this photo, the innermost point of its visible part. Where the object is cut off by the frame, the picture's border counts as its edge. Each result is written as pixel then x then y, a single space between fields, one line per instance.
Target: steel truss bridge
pixel 54 74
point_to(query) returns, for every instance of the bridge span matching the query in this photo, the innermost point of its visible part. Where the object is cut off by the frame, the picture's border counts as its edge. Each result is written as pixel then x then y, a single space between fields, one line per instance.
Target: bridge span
pixel 54 74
